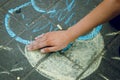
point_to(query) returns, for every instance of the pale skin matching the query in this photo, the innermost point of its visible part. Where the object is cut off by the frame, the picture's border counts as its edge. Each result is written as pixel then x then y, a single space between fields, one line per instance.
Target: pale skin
pixel 57 40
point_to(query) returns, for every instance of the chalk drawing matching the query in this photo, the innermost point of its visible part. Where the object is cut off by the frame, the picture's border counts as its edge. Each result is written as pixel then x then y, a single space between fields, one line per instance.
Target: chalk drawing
pixel 5 48
pixel 51 28
pixel 40 9
pixel 87 57
pixel 51 11
pixel 52 15
pixel 91 34
pixel 104 77
pixel 7 20
pixel 116 58
pixel 17 69
pixel 70 17
pixel 17 8
pixel 71 5
pixel 12 70
pixel 65 14
pixel 113 33
pixel 23 16
pixel 40 28
pixel 4 72
pixel 10 32
pixel 36 7
pixel 61 15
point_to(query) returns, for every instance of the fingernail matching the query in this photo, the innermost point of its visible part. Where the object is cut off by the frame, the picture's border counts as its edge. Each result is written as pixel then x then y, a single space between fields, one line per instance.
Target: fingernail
pixel 36 37
pixel 42 51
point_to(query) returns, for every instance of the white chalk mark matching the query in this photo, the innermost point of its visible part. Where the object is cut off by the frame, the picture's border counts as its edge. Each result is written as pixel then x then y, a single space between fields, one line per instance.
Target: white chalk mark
pixel 59 26
pixel 18 78
pixel 4 72
pixel 113 33
pixel 23 16
pixel 20 49
pixel 5 48
pixel 116 58
pixel 104 77
pixel 17 69
pixel 12 70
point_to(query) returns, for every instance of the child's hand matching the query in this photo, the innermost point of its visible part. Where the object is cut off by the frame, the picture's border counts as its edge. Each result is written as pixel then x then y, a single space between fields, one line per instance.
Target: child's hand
pixel 51 41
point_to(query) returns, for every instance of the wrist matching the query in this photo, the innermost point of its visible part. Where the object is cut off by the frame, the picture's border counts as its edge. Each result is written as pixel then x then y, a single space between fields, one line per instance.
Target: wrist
pixel 71 34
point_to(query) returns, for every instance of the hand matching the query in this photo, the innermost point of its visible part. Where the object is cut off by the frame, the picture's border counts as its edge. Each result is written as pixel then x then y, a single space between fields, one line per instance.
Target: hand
pixel 51 41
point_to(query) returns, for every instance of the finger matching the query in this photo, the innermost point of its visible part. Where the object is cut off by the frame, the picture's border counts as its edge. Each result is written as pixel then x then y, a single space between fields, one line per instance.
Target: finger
pixel 40 36
pixel 48 49
pixel 41 39
pixel 37 45
pixel 32 45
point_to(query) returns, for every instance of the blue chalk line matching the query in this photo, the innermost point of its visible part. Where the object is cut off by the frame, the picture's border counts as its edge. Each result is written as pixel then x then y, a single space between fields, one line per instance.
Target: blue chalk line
pixel 17 8
pixel 91 35
pixel 7 20
pixel 40 9
pixel 11 33
pixel 71 5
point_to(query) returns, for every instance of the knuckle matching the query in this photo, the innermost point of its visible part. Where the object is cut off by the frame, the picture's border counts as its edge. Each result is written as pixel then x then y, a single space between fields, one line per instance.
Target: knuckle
pixel 48 42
